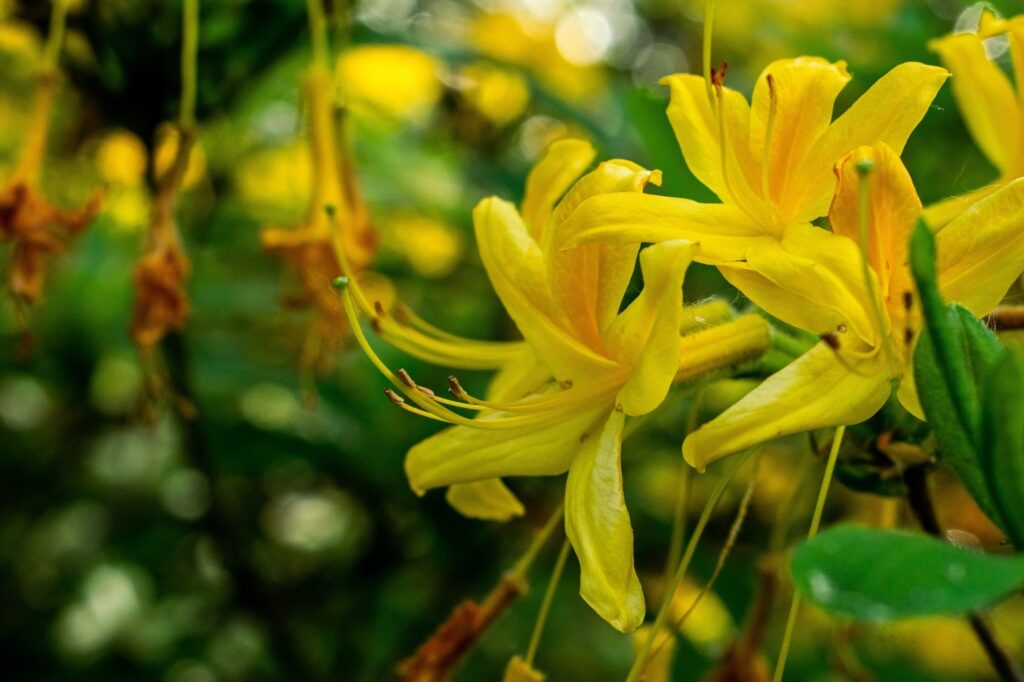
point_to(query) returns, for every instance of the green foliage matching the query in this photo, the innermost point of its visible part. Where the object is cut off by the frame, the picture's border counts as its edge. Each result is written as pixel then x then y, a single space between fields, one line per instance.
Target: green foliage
pixel 1002 441
pixel 877 575
pixel 953 363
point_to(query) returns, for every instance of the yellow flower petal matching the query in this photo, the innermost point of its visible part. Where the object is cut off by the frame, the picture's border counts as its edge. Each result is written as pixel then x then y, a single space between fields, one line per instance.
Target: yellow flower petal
pixel 723 231
pixel 488 500
pixel 907 394
pixel 941 213
pixel 981 253
pixel 646 335
pixel 516 268
pixel 696 126
pixel 597 524
pixel 462 454
pixel 893 210
pixel 521 376
pixel 562 163
pixel 804 91
pixel 985 97
pixel 814 391
pixel 588 283
pixel 888 112
pixel 811 279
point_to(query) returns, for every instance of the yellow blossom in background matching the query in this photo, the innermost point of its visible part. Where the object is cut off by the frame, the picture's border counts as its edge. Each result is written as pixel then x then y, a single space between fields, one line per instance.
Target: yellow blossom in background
pixel 500 95
pixel 710 626
pixel 121 157
pixel 432 247
pixel 659 664
pixel 991 102
pixel 525 42
pixel 276 179
pixel 167 148
pixel 20 41
pixel 396 81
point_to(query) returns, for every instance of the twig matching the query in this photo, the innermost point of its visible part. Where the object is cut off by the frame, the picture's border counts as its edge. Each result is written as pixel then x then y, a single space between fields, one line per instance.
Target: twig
pixel 437 657
pixel 920 500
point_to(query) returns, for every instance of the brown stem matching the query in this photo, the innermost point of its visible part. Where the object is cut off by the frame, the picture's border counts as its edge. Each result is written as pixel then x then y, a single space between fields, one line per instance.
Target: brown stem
pixel 1006 317
pixel 919 498
pixel 436 658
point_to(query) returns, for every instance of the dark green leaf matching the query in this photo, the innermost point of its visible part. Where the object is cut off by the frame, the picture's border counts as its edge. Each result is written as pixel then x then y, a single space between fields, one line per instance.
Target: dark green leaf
pixel 953 356
pixel 872 574
pixel 1002 441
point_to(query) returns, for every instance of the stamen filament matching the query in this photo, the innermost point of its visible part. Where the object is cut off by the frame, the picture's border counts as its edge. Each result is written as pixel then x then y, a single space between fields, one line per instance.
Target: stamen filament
pixel 545 606
pixel 709 26
pixel 773 102
pixel 864 168
pixel 819 507
pixel 640 662
pixel 429 405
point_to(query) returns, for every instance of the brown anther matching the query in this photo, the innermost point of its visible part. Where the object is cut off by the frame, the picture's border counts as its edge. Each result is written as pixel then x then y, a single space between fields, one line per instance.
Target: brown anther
pixel 378 308
pixel 375 323
pixel 394 397
pixel 771 85
pixel 400 314
pixel 455 388
pixel 406 379
pixel 842 328
pixel 718 76
pixel 429 392
pixel 908 336
pixel 908 300
pixel 831 340
pixel 567 384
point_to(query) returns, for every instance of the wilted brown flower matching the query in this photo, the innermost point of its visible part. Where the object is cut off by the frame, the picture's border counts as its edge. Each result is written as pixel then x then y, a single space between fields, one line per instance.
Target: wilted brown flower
pixel 38 231
pixel 37 228
pixel 310 249
pixel 161 302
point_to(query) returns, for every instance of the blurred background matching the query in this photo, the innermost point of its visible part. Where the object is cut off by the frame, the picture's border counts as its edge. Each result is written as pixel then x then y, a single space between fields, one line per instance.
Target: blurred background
pixel 274 536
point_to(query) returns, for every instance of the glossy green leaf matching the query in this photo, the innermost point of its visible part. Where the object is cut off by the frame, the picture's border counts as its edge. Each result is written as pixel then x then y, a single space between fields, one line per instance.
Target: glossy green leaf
pixel 953 357
pixel 877 575
pixel 1002 441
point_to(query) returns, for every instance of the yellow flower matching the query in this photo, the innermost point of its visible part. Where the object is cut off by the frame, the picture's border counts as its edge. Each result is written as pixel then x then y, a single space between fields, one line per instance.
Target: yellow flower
pixel 991 106
pixel 771 165
pixel 121 158
pixel 500 95
pixel 396 81
pixel 585 368
pixel 980 254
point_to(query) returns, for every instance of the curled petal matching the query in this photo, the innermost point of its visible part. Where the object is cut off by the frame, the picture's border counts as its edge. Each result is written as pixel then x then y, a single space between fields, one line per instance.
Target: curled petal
pixel 646 334
pixel 597 524
pixel 488 500
pixel 816 390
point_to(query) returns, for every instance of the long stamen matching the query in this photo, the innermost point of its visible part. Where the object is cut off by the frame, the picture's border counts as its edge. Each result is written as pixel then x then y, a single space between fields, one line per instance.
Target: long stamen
pixel 864 168
pixel 773 103
pixel 412 391
pixel 445 349
pixel 709 25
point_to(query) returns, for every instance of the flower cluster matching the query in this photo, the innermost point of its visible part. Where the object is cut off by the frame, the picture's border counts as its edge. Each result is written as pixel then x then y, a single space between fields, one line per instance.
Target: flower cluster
pixel 812 226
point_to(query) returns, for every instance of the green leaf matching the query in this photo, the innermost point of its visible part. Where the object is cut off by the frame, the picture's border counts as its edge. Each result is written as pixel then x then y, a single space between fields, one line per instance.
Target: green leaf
pixel 872 574
pixel 938 327
pixel 952 359
pixel 1002 441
